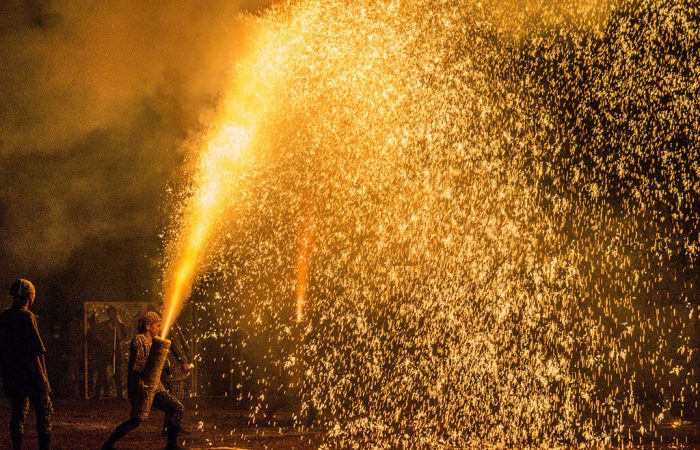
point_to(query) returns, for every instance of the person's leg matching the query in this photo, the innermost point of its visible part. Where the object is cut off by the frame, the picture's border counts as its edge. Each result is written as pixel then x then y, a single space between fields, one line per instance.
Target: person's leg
pixel 95 383
pixel 118 385
pixel 174 409
pixel 43 408
pixel 122 430
pixel 177 390
pixel 101 382
pixel 92 377
pixel 104 379
pixel 20 407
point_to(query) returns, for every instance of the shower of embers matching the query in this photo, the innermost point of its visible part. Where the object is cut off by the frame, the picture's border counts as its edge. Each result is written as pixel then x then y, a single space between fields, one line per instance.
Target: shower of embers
pixel 504 199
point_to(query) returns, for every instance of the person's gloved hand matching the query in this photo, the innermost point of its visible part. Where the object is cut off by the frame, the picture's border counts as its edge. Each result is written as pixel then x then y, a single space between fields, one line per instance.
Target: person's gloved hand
pixel 143 386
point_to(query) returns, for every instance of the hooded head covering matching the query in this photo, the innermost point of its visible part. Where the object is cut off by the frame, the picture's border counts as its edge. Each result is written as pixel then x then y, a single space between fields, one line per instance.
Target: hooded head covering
pixel 22 289
pixel 147 319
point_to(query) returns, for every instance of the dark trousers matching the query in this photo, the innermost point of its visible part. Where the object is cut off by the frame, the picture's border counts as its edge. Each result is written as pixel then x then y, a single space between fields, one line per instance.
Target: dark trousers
pixel 177 390
pixel 41 402
pixel 102 384
pixel 118 385
pixel 166 403
pixel 103 364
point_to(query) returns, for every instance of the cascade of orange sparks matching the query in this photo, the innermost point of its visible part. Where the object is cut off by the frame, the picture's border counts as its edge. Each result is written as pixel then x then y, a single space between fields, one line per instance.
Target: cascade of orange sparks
pixel 498 282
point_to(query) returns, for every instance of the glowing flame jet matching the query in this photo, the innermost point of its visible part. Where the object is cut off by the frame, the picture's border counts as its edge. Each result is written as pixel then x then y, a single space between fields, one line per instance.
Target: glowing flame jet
pixel 223 159
pixel 216 174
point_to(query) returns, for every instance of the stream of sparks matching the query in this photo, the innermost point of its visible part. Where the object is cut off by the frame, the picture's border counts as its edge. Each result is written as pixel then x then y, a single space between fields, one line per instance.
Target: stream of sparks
pixel 505 236
pixel 221 156
pixel 222 160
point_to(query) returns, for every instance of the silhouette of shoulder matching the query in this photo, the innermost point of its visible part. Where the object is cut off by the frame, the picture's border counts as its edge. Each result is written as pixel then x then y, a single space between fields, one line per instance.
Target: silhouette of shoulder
pixel 19 332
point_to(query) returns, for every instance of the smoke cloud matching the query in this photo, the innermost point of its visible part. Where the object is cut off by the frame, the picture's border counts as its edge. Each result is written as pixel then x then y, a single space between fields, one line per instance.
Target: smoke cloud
pixel 96 101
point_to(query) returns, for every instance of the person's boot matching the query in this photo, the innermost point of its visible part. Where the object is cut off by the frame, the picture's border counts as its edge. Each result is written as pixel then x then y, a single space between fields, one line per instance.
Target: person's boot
pixel 113 438
pixel 173 433
pixel 183 430
pixel 109 444
pixel 16 440
pixel 121 431
pixel 44 441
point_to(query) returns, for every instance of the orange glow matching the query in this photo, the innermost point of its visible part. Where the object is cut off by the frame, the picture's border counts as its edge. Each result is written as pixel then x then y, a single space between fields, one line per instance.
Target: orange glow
pixel 303 269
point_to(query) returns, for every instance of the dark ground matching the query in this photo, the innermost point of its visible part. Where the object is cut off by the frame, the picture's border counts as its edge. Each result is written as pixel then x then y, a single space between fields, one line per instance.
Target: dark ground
pixel 212 423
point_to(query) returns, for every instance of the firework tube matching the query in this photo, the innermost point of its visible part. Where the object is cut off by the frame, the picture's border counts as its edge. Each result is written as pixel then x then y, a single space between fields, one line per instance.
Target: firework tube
pixel 151 375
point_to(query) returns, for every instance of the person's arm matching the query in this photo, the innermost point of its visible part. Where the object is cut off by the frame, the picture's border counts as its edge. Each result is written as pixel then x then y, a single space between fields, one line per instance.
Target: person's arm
pixel 183 346
pixel 122 330
pixel 40 373
pixel 181 350
pixel 36 351
pixel 139 355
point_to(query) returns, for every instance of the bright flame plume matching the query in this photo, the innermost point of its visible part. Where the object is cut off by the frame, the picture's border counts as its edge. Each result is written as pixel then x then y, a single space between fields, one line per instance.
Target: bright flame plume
pixel 222 156
pixel 223 160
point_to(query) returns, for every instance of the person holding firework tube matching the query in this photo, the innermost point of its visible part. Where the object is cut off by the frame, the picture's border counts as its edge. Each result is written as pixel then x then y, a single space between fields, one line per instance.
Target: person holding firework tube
pixel 138 388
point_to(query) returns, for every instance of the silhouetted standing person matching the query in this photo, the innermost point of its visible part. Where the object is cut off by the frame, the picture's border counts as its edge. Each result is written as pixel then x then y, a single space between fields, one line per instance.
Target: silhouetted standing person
pixel 93 344
pixel 109 334
pixel 23 368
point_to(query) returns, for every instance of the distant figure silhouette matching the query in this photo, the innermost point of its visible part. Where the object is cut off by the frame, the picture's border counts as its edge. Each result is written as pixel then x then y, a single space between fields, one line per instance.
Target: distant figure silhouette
pixel 23 367
pixel 108 336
